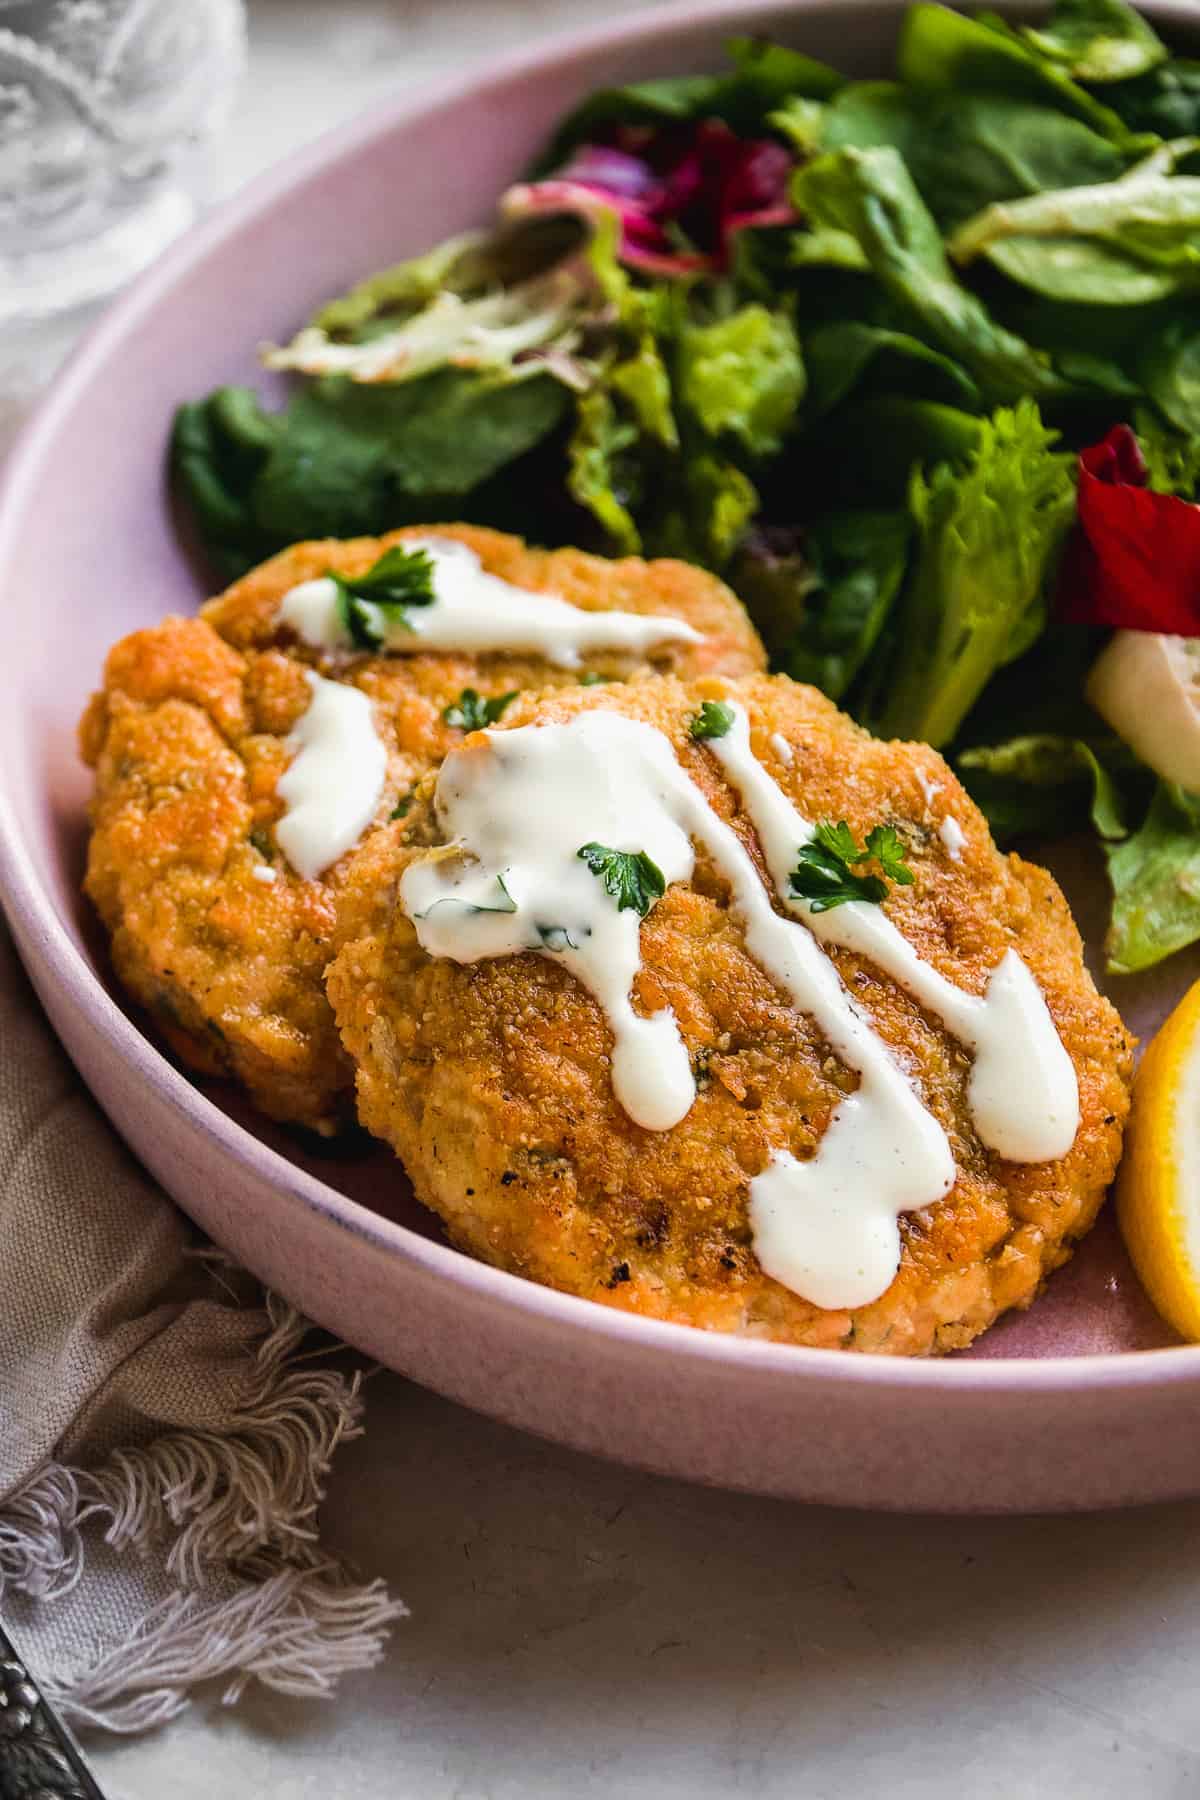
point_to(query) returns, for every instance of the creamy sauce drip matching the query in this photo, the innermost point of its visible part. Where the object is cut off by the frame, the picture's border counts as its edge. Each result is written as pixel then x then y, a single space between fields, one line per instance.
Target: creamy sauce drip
pixel 474 612
pixel 1023 1092
pixel 334 781
pixel 518 812
pixel 953 837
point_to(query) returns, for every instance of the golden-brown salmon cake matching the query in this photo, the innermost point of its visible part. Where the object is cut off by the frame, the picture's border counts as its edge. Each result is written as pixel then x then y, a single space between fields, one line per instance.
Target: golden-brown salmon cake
pixel 493 1080
pixel 212 930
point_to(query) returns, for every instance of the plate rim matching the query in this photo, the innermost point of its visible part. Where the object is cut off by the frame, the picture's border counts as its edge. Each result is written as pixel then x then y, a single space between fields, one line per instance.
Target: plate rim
pixel 62 966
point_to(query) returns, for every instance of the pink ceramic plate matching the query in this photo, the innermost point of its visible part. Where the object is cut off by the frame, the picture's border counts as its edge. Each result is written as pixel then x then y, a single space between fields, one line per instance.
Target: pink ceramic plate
pixel 1083 1402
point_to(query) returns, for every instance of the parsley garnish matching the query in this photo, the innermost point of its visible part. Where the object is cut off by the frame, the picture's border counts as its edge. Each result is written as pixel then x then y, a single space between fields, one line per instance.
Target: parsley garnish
pixel 370 604
pixel 825 871
pixel 712 721
pixel 403 806
pixel 629 876
pixel 472 712
pixel 591 679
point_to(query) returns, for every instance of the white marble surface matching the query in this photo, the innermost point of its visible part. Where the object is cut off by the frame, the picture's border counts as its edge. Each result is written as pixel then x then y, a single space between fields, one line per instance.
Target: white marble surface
pixel 580 1630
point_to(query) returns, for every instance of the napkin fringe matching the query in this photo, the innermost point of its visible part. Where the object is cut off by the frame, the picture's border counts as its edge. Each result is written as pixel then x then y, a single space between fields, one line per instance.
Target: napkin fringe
pixel 235 1512
pixel 298 1631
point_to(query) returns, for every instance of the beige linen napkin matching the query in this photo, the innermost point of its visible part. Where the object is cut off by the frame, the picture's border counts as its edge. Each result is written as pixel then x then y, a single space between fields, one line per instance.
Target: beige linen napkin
pixel 163 1441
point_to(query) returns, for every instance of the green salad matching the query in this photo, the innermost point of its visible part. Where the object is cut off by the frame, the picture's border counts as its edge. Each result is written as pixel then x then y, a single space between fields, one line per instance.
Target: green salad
pixel 914 364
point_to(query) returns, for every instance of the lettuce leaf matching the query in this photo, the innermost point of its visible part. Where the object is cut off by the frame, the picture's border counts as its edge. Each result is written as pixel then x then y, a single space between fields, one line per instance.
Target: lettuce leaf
pixel 988 539
pixel 1155 876
pixel 742 377
pixel 1045 785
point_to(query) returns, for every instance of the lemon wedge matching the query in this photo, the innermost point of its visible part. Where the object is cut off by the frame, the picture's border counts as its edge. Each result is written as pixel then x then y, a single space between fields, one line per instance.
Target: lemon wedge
pixel 1147 686
pixel 1158 1186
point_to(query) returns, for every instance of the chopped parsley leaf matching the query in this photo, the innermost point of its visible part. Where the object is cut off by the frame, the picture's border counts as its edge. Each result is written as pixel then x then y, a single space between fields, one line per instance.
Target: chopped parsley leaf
pixel 403 806
pixel 591 679
pixel 371 604
pixel 712 721
pixel 826 871
pixel 471 712
pixel 629 876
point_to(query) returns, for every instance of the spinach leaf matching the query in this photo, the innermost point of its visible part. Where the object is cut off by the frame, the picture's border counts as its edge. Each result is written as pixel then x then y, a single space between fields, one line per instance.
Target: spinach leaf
pixel 871 195
pixel 973 149
pixel 1155 877
pixel 349 458
pixel 821 596
pixel 1044 785
pixel 987 540
pixel 867 114
pixel 1149 214
pixel 1081 271
pixel 742 376
pixel 942 52
pixel 1166 102
pixel 764 76
pixel 850 356
pixel 1098 40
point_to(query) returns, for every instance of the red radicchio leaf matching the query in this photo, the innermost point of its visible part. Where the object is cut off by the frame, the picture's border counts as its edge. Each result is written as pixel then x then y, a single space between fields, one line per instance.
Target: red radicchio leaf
pixel 1134 558
pixel 703 183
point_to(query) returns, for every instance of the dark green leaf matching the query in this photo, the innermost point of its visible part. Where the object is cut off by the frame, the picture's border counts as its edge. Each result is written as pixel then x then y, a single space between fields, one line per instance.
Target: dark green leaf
pixel 849 356
pixel 764 76
pixel 712 721
pixel 629 876
pixel 885 847
pixel 471 712
pixel 871 195
pixel 1166 102
pixel 974 149
pixel 821 602
pixel 942 52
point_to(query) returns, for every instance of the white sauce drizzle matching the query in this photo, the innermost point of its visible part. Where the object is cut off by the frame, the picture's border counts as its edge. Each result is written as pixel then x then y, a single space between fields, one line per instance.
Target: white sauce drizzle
pixel 953 837
pixel 782 749
pixel 334 782
pixel 474 611
pixel 262 872
pixel 929 789
pixel 1023 1092
pixel 827 1227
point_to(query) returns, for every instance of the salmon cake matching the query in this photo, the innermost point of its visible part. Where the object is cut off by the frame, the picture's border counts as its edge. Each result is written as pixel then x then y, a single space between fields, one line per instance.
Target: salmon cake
pixel 692 998
pixel 218 885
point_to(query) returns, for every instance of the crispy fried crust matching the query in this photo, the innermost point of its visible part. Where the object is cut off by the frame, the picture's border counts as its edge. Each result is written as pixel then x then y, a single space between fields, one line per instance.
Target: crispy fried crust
pixel 492 1081
pixel 187 739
